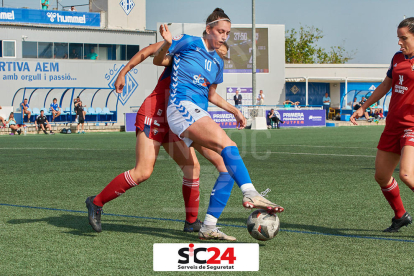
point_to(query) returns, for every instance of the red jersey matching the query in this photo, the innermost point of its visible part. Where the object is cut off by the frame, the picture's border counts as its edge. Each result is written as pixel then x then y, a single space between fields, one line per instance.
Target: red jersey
pixel 401 109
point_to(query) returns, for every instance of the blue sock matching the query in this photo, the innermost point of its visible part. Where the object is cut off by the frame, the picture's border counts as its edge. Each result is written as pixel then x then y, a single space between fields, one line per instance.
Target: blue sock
pixel 220 194
pixel 235 166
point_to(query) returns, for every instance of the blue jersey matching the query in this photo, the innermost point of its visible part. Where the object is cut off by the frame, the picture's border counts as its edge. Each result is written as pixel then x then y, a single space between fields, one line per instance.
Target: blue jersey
pixel 195 68
pixel 54 106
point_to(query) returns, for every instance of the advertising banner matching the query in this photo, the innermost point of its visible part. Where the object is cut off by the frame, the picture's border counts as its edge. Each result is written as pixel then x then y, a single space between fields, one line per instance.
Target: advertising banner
pixel 224 119
pixel 301 118
pixel 84 19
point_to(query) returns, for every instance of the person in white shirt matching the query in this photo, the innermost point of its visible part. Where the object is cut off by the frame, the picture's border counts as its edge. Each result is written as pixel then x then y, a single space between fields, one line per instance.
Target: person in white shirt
pixel 260 98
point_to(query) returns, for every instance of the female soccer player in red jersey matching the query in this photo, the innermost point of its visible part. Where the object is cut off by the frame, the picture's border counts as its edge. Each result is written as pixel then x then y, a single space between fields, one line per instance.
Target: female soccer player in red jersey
pixel 396 144
pixel 152 132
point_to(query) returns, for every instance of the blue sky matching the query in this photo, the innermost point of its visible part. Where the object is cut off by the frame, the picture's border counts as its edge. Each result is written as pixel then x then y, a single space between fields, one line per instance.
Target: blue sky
pixel 367 26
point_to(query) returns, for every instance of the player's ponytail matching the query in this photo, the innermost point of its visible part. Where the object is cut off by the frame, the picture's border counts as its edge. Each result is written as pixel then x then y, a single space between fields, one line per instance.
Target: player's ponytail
pixel 216 16
pixel 408 22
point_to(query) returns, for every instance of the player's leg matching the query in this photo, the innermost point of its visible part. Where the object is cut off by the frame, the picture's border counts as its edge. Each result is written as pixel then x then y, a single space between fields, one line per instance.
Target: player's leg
pixel 77 128
pixel 407 166
pixel 209 134
pixel 146 153
pixel 218 198
pixel 187 160
pixel 385 164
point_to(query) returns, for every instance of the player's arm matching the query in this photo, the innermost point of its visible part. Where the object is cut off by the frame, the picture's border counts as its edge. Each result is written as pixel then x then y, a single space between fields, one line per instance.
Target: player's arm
pixel 161 56
pixel 217 100
pixel 135 60
pixel 378 93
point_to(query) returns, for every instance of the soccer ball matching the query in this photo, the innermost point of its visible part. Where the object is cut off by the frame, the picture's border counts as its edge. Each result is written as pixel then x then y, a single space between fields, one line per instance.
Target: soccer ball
pixel 263 226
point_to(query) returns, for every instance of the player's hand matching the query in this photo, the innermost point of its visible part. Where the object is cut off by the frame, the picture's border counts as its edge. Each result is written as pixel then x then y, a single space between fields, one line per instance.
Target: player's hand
pixel 357 114
pixel 165 33
pixel 241 120
pixel 120 83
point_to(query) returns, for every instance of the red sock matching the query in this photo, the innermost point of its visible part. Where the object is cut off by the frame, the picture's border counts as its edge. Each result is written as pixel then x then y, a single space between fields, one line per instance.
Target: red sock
pixel 115 188
pixel 191 195
pixel 392 194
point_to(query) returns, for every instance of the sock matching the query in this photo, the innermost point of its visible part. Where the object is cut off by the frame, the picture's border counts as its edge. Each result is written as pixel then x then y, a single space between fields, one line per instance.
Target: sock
pixel 220 195
pixel 209 222
pixel 191 195
pixel 236 168
pixel 392 194
pixel 115 188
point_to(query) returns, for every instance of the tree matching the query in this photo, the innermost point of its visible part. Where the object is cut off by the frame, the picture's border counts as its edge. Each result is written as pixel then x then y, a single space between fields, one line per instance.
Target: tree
pixel 301 48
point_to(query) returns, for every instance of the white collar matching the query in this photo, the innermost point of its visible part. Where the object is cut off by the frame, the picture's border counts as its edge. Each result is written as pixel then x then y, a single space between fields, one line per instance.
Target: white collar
pixel 202 39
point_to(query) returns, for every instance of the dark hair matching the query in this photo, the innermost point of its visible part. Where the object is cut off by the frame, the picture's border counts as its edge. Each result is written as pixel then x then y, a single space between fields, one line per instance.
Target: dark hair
pixel 11 113
pixel 42 110
pixel 25 99
pixel 408 22
pixel 54 99
pixel 215 15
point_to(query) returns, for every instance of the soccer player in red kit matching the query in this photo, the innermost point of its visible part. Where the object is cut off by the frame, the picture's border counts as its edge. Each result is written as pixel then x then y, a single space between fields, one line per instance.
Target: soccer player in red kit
pixel 396 144
pixel 152 131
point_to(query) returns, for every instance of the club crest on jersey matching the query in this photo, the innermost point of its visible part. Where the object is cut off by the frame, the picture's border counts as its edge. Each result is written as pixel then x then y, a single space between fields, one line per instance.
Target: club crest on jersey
pixel 178 37
pixel 159 112
pixel 155 131
pixel 198 79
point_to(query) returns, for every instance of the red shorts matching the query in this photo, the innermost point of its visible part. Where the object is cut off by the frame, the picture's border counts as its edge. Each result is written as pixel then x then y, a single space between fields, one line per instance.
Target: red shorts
pixel 395 142
pixel 152 120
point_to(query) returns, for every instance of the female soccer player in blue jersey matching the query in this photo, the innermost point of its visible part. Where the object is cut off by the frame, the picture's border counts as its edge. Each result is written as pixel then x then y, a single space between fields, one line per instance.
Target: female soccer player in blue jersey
pixel 197 69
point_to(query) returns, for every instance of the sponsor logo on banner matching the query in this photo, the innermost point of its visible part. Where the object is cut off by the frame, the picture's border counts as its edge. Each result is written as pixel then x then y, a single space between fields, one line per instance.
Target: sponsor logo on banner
pixel 315 118
pixel 66 19
pixel 7 15
pixel 205 257
pixel 223 119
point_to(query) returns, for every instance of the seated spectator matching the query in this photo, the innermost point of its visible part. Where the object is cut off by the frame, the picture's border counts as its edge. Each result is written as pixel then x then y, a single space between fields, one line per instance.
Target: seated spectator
pixel 296 105
pixel 25 108
pixel 42 123
pixel 358 106
pixel 54 108
pixel 3 121
pixel 72 8
pixel 272 118
pixel 80 113
pixel 13 125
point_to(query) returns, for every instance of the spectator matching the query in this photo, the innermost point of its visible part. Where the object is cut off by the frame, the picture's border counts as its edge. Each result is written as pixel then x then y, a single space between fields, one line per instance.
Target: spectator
pixel 272 118
pixel 92 55
pixel 81 118
pixel 41 122
pixel 288 104
pixel 45 4
pixel 2 120
pixel 77 103
pixel 358 105
pixel 13 125
pixel 326 104
pixel 54 108
pixel 260 98
pixel 72 8
pixel 74 54
pixel 25 108
pixel 238 99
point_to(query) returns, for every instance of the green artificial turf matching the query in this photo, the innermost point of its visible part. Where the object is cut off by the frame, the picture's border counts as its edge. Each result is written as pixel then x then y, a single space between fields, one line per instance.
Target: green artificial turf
pixel 324 177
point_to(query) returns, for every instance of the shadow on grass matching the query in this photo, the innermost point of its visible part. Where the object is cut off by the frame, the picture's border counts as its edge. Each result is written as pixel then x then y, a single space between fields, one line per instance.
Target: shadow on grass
pixel 78 225
pixel 349 232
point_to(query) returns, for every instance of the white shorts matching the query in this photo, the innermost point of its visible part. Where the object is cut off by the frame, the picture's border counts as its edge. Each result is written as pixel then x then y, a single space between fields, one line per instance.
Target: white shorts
pixel 183 115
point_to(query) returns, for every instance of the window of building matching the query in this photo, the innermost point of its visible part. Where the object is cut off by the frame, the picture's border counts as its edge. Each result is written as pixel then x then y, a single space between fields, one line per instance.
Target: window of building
pixel 76 50
pixel 91 51
pixel 45 50
pixel 112 52
pixel 29 49
pixel 132 50
pixel 9 48
pixel 61 50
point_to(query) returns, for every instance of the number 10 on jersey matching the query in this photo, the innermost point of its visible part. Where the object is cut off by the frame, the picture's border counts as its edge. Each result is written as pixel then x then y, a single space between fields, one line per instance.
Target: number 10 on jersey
pixel 207 65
